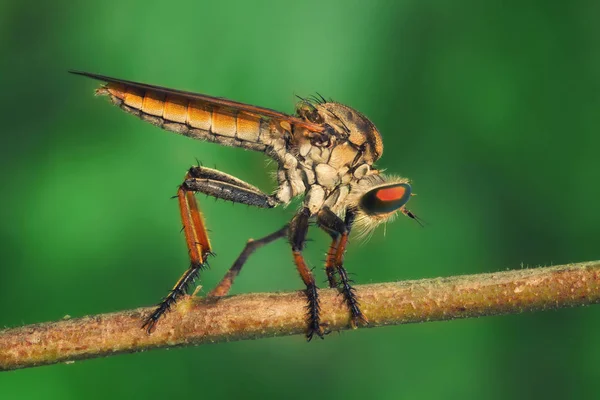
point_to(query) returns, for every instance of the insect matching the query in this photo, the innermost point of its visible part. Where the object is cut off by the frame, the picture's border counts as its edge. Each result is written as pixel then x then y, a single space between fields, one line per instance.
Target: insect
pixel 325 152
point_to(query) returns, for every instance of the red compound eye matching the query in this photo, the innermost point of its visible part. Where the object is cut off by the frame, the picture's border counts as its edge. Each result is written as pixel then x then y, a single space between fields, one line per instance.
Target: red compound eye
pixel 385 199
pixel 391 194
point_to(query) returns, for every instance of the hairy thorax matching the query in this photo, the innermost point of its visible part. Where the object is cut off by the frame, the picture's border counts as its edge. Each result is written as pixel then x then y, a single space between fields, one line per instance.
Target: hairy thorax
pixel 325 167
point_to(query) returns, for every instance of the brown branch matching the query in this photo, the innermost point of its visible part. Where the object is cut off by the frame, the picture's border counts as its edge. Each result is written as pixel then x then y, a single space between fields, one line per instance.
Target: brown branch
pixel 197 320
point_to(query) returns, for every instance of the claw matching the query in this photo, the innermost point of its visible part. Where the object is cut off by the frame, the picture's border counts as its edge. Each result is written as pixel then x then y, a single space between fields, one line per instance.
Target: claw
pixel 358 319
pixel 150 323
pixel 313 308
pixel 318 330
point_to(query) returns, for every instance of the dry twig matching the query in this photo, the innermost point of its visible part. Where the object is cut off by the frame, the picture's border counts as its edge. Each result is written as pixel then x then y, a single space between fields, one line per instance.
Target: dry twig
pixel 196 320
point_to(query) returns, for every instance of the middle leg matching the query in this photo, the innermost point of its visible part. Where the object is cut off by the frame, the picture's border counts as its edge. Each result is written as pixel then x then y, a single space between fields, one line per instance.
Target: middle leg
pixel 297 237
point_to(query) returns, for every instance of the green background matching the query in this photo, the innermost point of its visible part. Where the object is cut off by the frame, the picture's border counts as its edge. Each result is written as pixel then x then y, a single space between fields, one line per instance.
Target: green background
pixel 491 108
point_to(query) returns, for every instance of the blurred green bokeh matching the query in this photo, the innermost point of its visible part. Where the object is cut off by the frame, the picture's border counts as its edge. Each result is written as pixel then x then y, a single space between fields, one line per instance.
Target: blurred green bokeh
pixel 491 108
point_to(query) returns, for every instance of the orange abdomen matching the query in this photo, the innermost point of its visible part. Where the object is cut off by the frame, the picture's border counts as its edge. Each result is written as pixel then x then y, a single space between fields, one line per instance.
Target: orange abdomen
pixel 193 118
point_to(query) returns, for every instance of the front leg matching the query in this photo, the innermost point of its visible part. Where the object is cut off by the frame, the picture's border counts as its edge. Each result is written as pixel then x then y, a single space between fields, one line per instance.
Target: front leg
pixel 339 231
pixel 297 237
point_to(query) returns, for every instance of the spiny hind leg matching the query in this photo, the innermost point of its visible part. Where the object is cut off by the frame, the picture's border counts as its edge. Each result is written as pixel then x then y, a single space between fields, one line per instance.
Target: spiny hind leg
pixel 213 183
pixel 223 186
pixel 339 231
pixel 199 249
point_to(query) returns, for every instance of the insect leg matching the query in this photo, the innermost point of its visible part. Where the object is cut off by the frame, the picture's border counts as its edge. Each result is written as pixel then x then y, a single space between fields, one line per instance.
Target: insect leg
pixel 223 186
pixel 223 287
pixel 330 263
pixel 216 184
pixel 339 231
pixel 335 227
pixel 297 237
pixel 199 249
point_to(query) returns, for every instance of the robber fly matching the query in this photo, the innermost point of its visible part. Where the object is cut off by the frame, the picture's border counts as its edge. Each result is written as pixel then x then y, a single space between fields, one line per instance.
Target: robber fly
pixel 325 152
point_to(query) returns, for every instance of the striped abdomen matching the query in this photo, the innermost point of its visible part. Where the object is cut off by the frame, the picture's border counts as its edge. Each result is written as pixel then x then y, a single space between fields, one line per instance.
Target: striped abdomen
pixel 196 118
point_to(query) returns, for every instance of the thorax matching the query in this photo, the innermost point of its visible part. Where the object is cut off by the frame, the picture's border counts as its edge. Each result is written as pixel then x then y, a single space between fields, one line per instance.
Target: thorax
pixel 324 174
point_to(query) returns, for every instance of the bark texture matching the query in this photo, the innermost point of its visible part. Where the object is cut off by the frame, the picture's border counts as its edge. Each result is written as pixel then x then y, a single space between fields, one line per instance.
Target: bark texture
pixel 197 320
